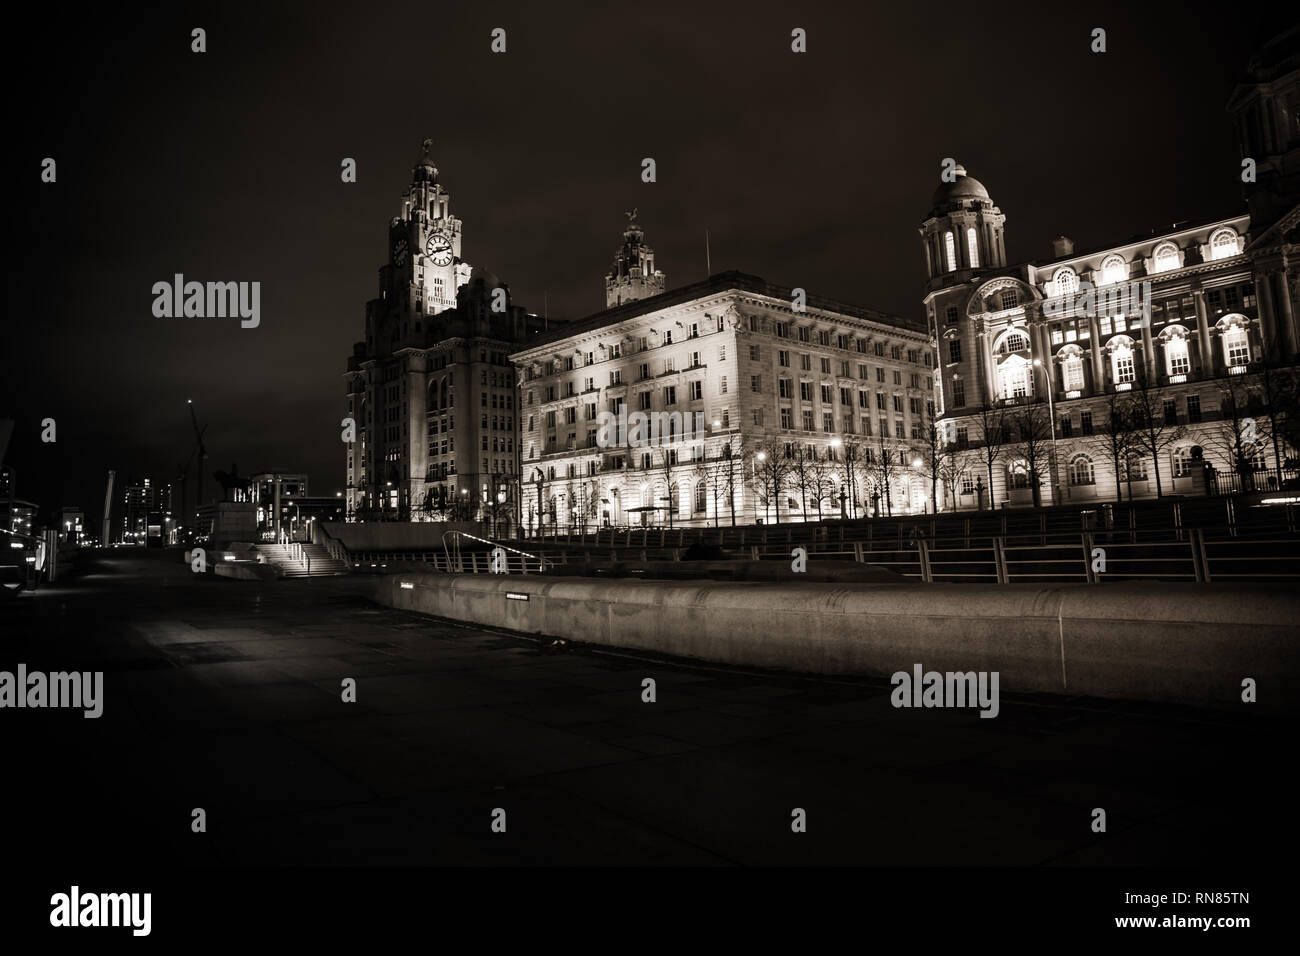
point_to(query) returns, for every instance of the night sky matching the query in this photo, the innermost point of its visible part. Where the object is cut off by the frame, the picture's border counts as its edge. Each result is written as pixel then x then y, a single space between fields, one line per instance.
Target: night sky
pixel 809 170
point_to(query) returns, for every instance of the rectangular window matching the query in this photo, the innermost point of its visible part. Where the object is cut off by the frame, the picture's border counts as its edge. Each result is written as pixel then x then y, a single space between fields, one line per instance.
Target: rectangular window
pixel 880 374
pixel 898 404
pixel 783 358
pixel 1193 408
pixel 954 350
pixel 755 383
pixel 1171 411
pixel 963 437
pixel 670 395
pixel 826 366
pixel 864 372
pixel 1085 422
pixel 807 420
pixel 805 362
pixel 758 416
pixel 1067 427
pixel 785 388
pixel 697 391
pixel 723 385
pixel 958 394
pixel 900 430
pixel 826 394
pixel 803 333
pixel 787 418
pixel 753 353
pixel 805 391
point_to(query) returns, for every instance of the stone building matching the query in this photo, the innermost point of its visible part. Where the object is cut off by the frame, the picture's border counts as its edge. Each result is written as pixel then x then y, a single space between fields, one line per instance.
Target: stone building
pixel 1158 365
pixel 431 391
pixel 654 411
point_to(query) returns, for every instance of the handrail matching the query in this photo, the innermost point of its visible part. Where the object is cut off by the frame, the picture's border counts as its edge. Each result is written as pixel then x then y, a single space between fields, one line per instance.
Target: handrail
pixel 542 562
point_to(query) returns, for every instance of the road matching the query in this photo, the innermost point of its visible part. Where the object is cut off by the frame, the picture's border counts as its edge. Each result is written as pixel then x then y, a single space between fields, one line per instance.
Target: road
pixel 226 696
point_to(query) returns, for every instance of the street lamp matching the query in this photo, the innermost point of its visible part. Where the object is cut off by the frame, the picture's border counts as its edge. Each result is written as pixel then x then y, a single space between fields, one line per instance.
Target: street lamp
pixel 1051 414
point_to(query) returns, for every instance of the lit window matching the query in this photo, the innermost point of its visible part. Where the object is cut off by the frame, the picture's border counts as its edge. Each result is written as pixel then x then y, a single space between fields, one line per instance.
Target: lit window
pixel 972 248
pixel 1166 257
pixel 1015 378
pixel 1223 244
pixel 1185 459
pixel 1014 342
pixel 950 247
pixel 1122 363
pixel 1236 349
pixel 1018 474
pixel 1081 472
pixel 1067 282
pixel 1176 359
pixel 1113 269
pixel 1073 373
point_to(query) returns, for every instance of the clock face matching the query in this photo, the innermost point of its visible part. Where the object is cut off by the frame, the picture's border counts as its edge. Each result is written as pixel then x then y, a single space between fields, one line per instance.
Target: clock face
pixel 438 248
pixel 399 252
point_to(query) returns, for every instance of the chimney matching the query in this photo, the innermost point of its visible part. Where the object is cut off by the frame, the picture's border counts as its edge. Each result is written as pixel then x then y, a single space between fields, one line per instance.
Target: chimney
pixel 1062 247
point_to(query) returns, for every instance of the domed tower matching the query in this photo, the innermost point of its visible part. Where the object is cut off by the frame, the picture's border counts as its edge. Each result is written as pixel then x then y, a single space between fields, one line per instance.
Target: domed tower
pixel 634 275
pixel 963 232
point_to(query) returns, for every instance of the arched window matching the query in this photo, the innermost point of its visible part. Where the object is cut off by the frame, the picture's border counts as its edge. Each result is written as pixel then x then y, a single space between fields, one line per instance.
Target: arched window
pixel 1252 456
pixel 1165 257
pixel 1013 342
pixel 1223 244
pixel 700 502
pixel 1187 458
pixel 1121 360
pixel 1017 474
pixel 1176 359
pixel 1081 472
pixel 1016 381
pixel 1067 281
pixel 950 249
pixel 1113 269
pixel 1135 468
pixel 1236 347
pixel 972 248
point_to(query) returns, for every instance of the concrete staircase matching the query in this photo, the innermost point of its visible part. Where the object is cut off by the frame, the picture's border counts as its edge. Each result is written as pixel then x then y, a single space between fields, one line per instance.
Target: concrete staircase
pixel 302 560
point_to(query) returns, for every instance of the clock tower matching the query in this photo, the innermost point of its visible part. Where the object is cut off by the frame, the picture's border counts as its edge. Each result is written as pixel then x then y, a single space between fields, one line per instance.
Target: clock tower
pixel 425 267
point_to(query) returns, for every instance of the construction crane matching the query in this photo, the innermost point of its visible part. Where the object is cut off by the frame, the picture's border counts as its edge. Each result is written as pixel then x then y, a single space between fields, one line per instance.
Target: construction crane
pixel 202 453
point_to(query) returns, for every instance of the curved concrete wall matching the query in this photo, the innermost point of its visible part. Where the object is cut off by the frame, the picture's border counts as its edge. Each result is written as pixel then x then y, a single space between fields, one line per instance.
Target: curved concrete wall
pixel 1154 641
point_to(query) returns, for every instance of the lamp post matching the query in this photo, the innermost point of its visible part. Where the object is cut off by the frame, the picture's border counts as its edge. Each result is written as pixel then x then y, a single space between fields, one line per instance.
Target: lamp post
pixel 1051 414
pixel 762 457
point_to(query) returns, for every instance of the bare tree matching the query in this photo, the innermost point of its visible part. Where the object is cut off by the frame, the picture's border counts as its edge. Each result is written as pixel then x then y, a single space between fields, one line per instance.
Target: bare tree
pixel 801 460
pixel 887 465
pixel 822 480
pixel 1116 438
pixel 1151 426
pixel 934 453
pixel 1243 431
pixel 1033 442
pixel 991 426
pixel 769 472
pixel 667 468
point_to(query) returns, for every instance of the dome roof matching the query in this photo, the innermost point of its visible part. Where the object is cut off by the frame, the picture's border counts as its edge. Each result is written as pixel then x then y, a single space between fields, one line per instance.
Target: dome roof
pixel 961 189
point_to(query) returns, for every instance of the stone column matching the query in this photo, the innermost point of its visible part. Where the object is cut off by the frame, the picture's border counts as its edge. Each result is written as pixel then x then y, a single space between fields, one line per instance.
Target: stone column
pixel 1203 334
pixel 1264 308
pixel 1268 317
pixel 1098 373
pixel 990 370
pixel 1287 316
pixel 1148 349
